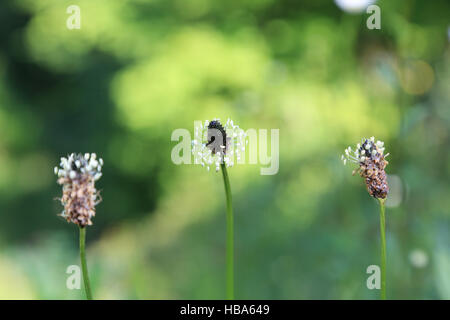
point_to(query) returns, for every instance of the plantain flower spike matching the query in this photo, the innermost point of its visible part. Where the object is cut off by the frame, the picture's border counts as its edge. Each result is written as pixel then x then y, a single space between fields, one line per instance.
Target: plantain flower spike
pixel 216 144
pixel 370 157
pixel 77 174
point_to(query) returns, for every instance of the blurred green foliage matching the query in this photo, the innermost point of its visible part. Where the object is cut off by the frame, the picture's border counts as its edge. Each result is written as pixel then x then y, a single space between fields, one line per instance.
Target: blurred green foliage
pixel 137 70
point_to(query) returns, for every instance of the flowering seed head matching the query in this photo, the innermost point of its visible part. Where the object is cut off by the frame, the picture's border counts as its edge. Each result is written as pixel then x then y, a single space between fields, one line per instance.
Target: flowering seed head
pixel 217 137
pixel 370 157
pixel 215 144
pixel 77 174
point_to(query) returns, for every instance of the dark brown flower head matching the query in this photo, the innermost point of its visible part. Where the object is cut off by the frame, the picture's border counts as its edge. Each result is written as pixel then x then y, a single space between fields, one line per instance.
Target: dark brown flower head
pixel 217 137
pixel 372 163
pixel 217 144
pixel 77 174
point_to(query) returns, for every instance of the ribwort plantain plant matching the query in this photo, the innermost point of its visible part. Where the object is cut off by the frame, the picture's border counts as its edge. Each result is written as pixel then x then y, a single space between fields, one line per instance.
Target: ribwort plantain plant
pixel 370 157
pixel 77 174
pixel 223 144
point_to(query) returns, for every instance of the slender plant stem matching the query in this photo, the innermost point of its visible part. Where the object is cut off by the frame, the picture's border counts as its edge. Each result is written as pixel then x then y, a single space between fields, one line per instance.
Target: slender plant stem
pixel 383 249
pixel 230 235
pixel 87 285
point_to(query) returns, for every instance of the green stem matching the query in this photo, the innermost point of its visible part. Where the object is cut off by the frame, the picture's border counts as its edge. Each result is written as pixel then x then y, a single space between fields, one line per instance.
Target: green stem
pixel 230 235
pixel 383 249
pixel 87 285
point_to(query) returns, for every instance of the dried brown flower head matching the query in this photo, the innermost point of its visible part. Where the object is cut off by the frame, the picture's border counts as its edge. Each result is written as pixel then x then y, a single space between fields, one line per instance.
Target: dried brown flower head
pixel 372 163
pixel 77 174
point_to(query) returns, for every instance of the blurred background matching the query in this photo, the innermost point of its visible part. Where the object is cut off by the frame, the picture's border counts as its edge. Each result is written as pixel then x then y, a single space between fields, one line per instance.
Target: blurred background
pixel 138 69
